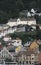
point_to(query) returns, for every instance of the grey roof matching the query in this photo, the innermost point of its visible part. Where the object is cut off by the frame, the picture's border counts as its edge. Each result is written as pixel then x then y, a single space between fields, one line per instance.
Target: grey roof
pixel 23 49
pixel 27 44
pixel 12 20
pixel 22 19
pixel 26 19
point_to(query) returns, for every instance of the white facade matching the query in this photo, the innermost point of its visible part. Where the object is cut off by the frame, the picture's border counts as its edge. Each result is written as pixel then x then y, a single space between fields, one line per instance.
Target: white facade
pixel 6 38
pixel 32 59
pixel 3 27
pixel 5 53
pixel 10 23
pixel 27 44
pixel 23 22
pixel 31 22
pixel 0 43
pixel 16 42
pixel 40 27
pixel 15 23
pixel 7 31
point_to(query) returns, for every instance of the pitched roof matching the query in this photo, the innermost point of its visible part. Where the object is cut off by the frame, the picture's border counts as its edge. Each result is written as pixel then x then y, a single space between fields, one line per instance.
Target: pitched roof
pixel 22 19
pixel 34 45
pixel 26 19
pixel 26 52
pixel 12 20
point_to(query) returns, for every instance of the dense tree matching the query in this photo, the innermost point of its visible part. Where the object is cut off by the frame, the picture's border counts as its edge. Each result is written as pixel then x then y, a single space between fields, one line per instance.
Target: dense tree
pixel 11 8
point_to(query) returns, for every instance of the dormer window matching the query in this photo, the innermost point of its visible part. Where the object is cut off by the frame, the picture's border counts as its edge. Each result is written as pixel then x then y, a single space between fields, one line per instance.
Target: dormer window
pixel 18 20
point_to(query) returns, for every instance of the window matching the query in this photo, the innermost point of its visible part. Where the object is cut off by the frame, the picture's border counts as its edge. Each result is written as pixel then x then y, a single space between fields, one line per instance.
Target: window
pixel 32 58
pixel 14 41
pixel 18 42
pixel 27 62
pixel 30 62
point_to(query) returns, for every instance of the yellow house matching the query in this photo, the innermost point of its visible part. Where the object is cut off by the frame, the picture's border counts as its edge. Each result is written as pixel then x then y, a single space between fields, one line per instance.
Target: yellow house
pixel 34 45
pixel 18 49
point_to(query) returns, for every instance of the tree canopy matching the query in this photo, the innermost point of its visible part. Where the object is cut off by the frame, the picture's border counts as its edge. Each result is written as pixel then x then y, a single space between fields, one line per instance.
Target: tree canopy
pixel 11 8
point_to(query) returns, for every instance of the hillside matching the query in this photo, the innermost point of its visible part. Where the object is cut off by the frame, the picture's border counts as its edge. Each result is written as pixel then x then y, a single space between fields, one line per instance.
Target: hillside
pixel 11 8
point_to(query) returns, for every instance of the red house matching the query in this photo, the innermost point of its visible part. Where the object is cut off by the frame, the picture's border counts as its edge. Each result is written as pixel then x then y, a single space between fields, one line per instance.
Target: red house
pixel 39 58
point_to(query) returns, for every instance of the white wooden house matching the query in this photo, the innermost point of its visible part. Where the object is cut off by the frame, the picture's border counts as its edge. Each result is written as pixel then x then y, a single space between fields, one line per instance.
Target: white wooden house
pixel 15 42
pixel 22 21
pixel 7 38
